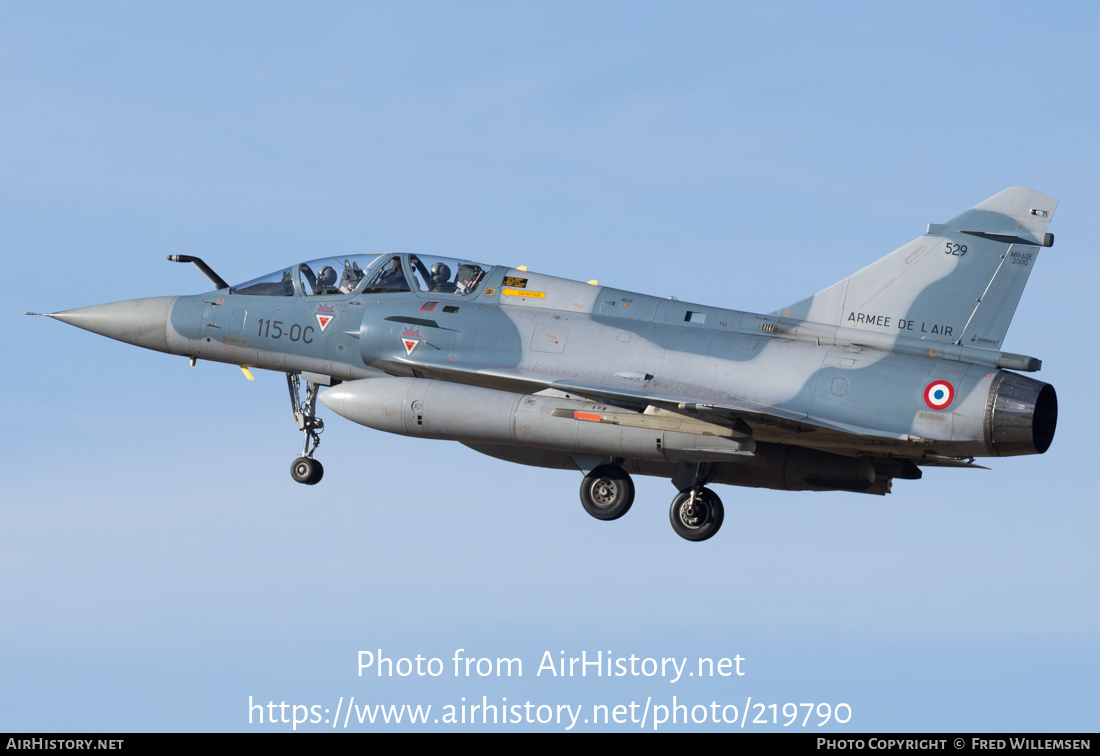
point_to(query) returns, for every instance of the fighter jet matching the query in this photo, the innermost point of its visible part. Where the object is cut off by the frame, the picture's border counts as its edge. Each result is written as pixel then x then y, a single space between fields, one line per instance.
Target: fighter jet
pixel 893 369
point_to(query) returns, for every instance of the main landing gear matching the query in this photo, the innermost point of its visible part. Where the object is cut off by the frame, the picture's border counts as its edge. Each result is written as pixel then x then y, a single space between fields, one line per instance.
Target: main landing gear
pixel 696 512
pixel 305 469
pixel 607 492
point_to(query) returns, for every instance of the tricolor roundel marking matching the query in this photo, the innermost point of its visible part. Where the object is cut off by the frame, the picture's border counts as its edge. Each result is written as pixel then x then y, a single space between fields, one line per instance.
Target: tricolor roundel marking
pixel 939 394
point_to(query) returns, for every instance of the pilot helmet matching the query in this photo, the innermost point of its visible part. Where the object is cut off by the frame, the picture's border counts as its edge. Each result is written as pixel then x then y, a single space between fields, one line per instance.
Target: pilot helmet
pixel 440 273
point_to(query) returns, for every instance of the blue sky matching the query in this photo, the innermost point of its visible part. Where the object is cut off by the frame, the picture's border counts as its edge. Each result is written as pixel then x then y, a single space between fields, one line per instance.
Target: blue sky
pixel 158 566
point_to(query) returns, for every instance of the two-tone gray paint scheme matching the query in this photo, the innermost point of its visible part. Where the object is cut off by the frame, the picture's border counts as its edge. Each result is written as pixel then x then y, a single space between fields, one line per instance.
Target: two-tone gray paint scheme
pixel 892 369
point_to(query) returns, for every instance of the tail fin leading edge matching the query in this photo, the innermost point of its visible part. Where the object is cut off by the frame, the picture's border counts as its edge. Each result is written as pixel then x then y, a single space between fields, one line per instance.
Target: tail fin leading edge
pixel 959 283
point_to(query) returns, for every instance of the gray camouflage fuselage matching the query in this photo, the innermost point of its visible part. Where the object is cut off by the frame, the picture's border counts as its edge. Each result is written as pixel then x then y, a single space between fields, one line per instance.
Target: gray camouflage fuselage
pixel 884 372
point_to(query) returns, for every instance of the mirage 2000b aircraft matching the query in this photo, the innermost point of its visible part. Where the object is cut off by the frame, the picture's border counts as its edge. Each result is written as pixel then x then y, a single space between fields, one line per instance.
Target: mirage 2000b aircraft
pixel 895 368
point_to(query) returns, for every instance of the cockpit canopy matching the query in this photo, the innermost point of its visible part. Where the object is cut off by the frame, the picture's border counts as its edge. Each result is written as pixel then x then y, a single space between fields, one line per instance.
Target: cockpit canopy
pixel 331 276
pixel 373 274
pixel 445 275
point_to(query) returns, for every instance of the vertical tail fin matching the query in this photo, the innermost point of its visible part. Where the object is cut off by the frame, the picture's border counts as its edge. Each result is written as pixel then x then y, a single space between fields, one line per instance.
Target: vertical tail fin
pixel 959 283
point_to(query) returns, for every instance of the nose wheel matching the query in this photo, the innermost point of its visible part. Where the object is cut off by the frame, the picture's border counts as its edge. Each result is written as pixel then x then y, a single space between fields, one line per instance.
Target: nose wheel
pixel 305 469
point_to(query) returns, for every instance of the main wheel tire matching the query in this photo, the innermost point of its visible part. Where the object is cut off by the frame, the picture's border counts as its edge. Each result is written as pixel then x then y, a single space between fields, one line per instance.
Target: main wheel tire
pixel 698 521
pixel 607 492
pixel 306 470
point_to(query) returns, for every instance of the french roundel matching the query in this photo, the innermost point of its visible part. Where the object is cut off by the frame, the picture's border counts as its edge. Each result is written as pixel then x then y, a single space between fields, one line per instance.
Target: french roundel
pixel 938 394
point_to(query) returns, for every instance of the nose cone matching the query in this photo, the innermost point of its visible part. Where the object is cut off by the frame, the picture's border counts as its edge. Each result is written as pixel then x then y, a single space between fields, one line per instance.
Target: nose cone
pixel 141 322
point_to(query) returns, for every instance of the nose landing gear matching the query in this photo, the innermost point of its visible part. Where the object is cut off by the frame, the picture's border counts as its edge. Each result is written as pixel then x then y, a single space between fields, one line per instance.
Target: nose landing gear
pixel 305 469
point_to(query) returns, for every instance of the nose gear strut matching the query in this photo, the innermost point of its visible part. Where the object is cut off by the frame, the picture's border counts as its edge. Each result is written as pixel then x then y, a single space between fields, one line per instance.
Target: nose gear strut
pixel 305 469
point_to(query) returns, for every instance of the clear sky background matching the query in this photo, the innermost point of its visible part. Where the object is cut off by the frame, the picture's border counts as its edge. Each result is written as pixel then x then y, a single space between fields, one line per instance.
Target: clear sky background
pixel 158 566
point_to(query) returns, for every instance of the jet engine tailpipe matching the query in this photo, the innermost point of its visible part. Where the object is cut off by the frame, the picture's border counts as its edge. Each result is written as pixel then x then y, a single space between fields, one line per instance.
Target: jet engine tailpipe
pixel 1020 415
